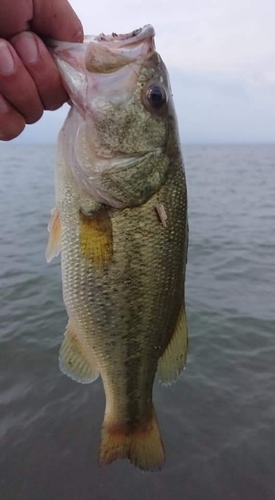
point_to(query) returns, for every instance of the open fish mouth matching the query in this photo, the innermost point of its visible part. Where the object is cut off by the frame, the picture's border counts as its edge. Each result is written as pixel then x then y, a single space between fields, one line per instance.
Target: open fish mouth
pixel 123 40
pixel 117 58
pixel 134 37
pixel 107 53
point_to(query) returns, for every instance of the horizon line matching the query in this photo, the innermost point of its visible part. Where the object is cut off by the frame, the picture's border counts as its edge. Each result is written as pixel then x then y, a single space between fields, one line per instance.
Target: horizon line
pixel 183 144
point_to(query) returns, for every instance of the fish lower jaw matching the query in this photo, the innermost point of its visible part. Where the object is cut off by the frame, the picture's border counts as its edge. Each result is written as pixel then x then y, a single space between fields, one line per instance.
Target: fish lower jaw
pixel 105 181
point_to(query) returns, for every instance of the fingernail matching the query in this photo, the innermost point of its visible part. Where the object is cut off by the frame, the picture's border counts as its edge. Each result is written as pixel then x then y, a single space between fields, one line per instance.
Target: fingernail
pixel 26 47
pixel 6 59
pixel 4 106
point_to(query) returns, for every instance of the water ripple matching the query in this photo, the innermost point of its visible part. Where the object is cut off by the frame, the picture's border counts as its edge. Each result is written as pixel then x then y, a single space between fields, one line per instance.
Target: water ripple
pixel 218 420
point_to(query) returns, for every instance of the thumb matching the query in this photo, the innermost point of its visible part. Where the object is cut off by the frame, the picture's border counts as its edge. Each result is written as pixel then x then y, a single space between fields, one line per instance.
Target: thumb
pixel 56 19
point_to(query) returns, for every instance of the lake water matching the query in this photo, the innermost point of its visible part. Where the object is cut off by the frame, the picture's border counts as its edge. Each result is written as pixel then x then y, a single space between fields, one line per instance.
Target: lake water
pixel 218 420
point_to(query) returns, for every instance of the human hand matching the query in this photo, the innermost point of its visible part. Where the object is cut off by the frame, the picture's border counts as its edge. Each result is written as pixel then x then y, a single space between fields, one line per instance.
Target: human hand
pixel 29 78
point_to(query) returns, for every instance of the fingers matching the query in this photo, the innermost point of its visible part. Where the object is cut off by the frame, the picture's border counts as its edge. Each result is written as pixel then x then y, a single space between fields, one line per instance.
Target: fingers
pixel 40 65
pixel 29 83
pixel 15 16
pixel 53 18
pixel 17 85
pixel 11 122
pixel 57 19
pixel 29 79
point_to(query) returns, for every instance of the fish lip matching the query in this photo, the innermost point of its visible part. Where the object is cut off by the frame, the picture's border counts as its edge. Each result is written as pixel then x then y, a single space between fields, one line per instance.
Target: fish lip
pixel 133 38
pixel 121 40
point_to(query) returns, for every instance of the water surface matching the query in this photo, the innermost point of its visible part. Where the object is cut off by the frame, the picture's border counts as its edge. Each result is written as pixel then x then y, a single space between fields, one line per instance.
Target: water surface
pixel 218 420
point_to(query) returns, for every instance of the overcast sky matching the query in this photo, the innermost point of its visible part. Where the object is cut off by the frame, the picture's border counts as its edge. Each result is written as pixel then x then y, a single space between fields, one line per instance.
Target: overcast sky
pixel 221 59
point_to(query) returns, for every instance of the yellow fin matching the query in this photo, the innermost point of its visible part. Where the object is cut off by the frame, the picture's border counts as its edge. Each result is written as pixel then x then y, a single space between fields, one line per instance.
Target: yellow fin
pixel 173 360
pixel 54 241
pixel 79 365
pixel 96 238
pixel 141 445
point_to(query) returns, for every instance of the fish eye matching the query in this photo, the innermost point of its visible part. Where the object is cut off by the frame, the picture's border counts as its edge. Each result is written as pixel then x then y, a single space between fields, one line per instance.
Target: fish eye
pixel 156 95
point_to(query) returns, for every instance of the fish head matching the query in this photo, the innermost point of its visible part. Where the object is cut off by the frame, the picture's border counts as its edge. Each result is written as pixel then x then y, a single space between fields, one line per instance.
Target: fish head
pixel 120 88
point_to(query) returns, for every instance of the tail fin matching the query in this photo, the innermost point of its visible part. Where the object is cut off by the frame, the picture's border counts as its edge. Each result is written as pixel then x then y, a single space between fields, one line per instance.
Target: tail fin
pixel 141 445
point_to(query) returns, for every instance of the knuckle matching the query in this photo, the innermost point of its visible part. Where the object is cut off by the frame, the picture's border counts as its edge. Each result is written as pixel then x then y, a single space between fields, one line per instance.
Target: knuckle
pixel 26 46
pixel 53 105
pixel 34 116
pixel 53 95
pixel 8 134
pixel 12 123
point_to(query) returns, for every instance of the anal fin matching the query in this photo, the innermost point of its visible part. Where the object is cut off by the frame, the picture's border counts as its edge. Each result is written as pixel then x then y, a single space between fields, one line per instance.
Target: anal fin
pixel 173 360
pixel 79 365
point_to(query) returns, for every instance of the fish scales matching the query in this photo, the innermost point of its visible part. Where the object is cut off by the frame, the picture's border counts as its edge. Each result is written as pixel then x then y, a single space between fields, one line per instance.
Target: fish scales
pixel 123 302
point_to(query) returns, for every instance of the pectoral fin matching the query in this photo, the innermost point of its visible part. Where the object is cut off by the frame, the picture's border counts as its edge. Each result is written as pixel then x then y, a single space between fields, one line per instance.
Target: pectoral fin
pixel 173 360
pixel 96 239
pixel 79 365
pixel 54 241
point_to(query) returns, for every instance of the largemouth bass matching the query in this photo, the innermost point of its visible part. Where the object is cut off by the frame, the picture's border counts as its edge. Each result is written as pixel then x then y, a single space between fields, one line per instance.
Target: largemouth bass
pixel 120 221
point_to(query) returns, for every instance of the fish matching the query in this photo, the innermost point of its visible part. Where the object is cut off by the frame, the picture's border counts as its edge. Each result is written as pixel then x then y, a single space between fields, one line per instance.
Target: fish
pixel 120 223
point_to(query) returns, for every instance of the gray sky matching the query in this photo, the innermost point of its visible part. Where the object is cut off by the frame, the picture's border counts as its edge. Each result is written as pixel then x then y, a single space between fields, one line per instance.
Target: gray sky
pixel 221 59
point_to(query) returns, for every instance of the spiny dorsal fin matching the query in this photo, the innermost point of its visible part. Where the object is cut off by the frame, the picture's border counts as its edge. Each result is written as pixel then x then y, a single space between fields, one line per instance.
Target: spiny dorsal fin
pixel 54 241
pixel 173 360
pixel 74 361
